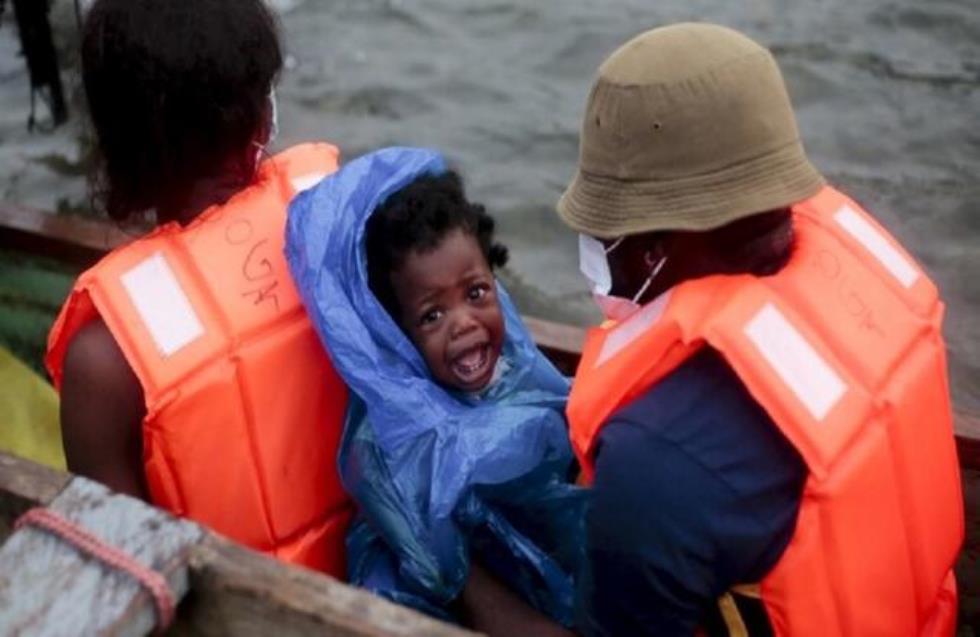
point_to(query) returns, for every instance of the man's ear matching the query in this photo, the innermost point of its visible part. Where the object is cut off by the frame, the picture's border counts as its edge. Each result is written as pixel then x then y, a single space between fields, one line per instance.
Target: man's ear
pixel 656 249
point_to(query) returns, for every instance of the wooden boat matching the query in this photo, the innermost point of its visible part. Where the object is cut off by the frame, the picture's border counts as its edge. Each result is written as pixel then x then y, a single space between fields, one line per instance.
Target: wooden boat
pixel 47 587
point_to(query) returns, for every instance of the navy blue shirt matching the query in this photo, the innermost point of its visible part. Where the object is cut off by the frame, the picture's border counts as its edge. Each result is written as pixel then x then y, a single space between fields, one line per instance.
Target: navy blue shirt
pixel 696 490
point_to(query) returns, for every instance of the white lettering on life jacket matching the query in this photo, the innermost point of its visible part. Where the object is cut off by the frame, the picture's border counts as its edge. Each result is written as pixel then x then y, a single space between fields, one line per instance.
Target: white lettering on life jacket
pixel 162 304
pixel 875 243
pixel 632 328
pixel 794 360
pixel 303 182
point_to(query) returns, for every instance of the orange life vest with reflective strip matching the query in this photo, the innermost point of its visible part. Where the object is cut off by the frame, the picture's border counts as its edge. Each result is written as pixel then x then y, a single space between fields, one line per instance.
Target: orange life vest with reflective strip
pixel 244 410
pixel 843 350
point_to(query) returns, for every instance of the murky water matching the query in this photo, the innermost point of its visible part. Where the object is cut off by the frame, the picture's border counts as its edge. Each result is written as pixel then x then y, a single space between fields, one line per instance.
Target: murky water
pixel 887 94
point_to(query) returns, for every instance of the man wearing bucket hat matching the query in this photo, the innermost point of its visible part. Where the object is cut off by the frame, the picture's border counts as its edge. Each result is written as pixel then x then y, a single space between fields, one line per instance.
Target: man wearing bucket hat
pixel 765 417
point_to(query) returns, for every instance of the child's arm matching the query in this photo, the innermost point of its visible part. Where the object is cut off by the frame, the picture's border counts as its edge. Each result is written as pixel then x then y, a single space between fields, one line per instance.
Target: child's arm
pixel 492 608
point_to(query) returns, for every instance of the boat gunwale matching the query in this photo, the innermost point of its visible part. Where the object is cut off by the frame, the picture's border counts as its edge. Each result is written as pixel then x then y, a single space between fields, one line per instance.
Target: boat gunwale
pixel 81 241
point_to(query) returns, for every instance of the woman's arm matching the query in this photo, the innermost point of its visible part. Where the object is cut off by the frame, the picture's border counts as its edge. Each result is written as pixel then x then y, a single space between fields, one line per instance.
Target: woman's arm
pixel 102 412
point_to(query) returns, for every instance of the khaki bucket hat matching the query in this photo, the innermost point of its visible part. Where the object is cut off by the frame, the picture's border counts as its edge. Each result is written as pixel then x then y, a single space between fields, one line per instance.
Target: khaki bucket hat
pixel 688 127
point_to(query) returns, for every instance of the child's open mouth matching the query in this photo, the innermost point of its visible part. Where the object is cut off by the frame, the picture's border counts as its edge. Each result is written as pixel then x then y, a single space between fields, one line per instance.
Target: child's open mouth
pixel 473 367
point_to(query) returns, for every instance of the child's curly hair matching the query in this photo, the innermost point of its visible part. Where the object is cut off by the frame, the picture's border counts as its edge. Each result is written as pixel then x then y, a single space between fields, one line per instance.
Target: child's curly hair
pixel 177 91
pixel 416 219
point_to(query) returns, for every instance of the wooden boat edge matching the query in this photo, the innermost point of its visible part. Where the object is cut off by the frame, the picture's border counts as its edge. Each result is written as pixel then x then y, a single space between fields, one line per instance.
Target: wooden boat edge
pixel 234 590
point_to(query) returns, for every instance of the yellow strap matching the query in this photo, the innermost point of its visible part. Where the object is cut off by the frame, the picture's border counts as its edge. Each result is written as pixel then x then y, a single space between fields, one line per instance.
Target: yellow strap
pixel 748 590
pixel 733 619
pixel 29 423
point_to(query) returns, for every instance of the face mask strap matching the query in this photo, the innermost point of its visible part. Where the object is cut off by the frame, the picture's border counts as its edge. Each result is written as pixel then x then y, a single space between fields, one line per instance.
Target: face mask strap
pixel 653 275
pixel 614 245
pixel 273 116
pixel 273 127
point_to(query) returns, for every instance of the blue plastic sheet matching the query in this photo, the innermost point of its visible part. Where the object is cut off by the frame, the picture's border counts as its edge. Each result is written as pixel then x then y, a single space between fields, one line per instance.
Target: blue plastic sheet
pixel 437 474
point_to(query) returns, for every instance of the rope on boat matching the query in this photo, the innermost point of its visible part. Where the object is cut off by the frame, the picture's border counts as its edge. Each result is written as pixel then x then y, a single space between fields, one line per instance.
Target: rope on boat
pixel 154 583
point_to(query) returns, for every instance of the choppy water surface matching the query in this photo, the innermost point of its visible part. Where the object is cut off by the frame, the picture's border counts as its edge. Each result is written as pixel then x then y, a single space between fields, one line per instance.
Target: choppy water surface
pixel 886 93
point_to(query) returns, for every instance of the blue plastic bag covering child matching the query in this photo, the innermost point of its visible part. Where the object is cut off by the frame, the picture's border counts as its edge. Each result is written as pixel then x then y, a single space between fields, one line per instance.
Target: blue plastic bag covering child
pixel 436 473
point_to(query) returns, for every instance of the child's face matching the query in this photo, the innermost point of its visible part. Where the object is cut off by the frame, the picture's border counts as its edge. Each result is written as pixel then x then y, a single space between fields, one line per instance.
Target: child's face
pixel 448 301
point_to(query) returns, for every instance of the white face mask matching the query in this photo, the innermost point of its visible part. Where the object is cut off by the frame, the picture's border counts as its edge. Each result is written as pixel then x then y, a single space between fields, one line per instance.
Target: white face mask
pixel 594 264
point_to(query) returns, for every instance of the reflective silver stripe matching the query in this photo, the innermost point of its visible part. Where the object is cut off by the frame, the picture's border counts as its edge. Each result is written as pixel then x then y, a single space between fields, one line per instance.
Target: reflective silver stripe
pixel 162 304
pixel 795 361
pixel 309 180
pixel 621 336
pixel 875 243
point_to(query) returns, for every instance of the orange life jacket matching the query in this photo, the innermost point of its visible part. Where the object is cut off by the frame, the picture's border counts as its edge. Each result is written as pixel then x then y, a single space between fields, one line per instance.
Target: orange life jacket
pixel 843 350
pixel 244 410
